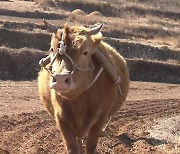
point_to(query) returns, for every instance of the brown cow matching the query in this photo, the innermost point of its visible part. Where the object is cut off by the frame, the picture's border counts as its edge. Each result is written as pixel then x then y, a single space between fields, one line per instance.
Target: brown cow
pixel 75 88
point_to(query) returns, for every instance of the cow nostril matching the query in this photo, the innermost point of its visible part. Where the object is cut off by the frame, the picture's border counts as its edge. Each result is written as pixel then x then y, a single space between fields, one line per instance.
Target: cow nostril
pixel 54 80
pixel 67 81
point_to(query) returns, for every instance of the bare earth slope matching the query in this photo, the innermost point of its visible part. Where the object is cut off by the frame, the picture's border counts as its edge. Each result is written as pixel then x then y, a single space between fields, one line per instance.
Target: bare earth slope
pixel 149 121
pixel 27 128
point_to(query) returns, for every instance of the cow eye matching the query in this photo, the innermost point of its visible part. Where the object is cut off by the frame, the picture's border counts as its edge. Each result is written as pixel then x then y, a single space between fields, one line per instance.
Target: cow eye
pixel 85 53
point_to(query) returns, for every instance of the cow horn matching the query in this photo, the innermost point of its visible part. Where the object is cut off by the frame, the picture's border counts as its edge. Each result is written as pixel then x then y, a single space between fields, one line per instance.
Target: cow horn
pixel 93 30
pixel 96 29
pixel 50 26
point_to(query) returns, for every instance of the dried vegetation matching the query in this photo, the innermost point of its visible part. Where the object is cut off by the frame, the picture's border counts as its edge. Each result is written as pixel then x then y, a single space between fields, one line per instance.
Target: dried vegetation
pixel 138 29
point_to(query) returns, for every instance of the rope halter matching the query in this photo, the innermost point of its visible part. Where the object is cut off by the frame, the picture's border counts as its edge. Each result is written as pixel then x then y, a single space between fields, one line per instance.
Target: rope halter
pixel 62 51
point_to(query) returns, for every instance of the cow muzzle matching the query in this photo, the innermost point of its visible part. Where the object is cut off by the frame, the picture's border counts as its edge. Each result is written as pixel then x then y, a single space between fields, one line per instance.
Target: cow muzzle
pixel 62 82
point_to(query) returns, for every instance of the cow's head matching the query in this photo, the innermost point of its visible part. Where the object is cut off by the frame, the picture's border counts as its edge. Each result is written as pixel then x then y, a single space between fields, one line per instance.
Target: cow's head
pixel 72 68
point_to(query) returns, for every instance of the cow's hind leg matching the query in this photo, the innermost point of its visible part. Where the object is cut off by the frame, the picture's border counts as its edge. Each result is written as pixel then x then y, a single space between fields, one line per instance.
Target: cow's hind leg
pixel 72 143
pixel 93 136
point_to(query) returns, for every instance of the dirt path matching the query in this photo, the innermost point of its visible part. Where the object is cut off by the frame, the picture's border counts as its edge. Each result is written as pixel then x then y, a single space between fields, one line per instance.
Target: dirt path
pixel 27 128
pixel 18 97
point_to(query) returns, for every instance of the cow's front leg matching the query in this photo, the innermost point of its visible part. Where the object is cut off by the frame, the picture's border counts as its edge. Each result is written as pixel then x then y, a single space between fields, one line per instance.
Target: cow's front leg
pixel 72 144
pixel 93 136
pixel 92 119
pixel 80 145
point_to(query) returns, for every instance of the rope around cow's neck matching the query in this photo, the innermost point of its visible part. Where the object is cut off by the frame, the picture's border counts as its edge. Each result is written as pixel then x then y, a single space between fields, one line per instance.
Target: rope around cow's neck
pixel 62 51
pixel 44 61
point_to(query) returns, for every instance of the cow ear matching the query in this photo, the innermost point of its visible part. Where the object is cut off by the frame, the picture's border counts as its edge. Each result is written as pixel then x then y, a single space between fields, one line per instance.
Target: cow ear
pixel 97 39
pixel 56 37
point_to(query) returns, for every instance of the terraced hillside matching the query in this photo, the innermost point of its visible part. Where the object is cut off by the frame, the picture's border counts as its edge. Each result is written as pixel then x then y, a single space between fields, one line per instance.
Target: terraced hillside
pixel 136 30
pixel 146 33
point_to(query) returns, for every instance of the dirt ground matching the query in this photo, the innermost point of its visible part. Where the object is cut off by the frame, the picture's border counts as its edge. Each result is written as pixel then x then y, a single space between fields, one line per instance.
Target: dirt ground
pixel 149 121
pixel 25 127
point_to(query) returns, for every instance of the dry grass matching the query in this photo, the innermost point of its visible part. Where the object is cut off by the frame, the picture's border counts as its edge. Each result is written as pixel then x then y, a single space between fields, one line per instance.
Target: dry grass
pixel 172 61
pixel 19 64
pixel 166 5
pixel 159 34
pixel 77 12
pixel 169 42
pixel 138 20
pixel 133 20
